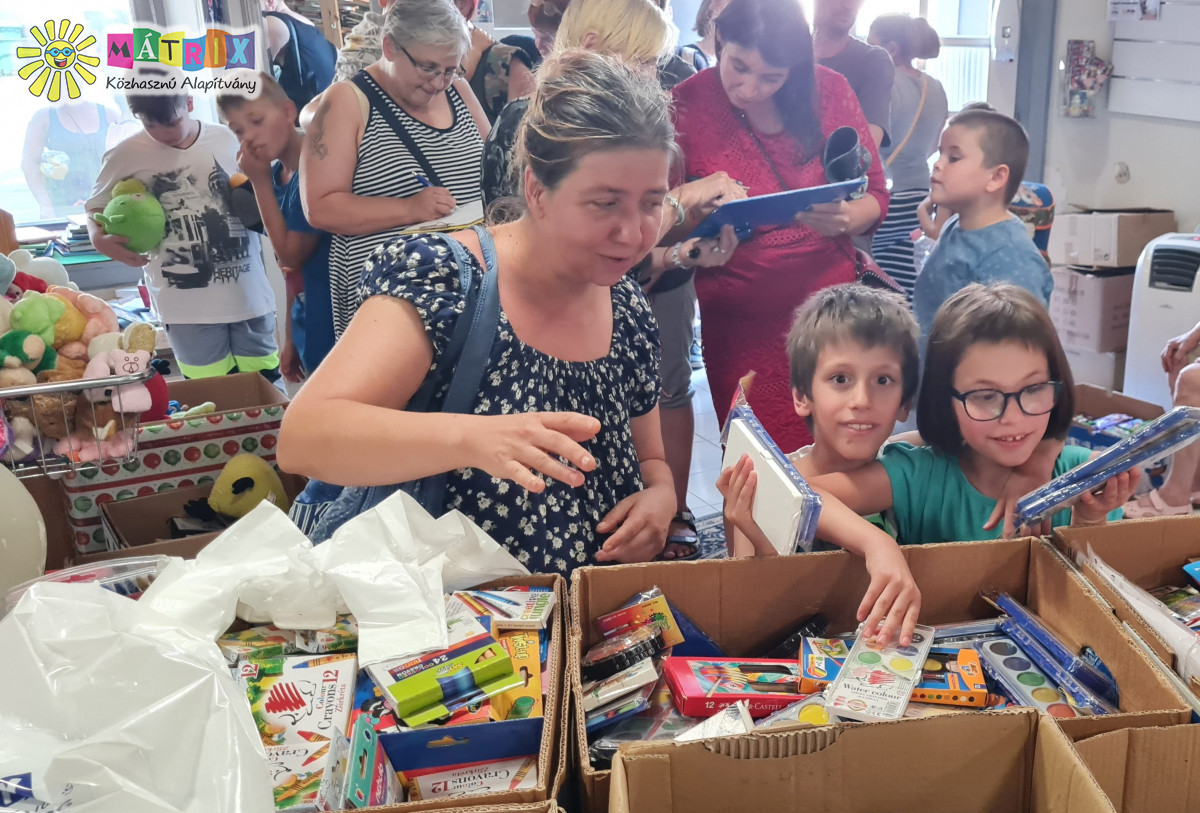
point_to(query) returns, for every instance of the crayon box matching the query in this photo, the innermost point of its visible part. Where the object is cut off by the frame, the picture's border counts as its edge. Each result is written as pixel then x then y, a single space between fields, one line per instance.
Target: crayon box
pixel 309 776
pixel 526 699
pixel 701 687
pixel 300 698
pixel 433 685
pixel 821 660
pixel 952 677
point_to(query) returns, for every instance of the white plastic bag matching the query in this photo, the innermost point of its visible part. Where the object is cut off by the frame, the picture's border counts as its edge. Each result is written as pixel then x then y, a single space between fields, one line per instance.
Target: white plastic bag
pixel 108 706
pixel 393 564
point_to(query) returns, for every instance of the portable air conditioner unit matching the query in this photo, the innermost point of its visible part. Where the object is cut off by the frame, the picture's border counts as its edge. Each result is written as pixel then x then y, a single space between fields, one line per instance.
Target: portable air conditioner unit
pixel 1166 303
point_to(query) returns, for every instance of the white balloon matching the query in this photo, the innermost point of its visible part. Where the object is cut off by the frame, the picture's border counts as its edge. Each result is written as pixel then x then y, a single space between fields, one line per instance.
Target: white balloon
pixel 22 534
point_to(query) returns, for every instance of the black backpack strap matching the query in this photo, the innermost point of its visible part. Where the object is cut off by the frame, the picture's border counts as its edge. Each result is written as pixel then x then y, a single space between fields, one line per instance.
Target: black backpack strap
pixel 383 104
pixel 476 330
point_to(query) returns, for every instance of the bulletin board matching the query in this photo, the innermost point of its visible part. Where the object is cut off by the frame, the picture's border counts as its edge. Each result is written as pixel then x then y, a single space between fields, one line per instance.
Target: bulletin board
pixel 1157 64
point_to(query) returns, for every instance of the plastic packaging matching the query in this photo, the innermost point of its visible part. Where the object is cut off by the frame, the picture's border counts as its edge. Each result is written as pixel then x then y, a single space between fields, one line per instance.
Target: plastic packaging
pixel 785 506
pixel 1157 439
pixel 110 707
pixel 126 577
pixel 1074 665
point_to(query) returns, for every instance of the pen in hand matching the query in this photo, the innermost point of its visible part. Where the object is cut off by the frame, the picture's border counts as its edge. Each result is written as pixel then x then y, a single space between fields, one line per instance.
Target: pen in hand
pixel 421 179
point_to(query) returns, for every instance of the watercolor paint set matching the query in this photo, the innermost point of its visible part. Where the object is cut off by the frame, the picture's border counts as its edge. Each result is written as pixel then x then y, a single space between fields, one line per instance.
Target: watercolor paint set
pixel 877 681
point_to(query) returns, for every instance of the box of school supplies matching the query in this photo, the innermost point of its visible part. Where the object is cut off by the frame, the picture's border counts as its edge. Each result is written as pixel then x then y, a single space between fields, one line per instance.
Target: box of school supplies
pixel 701 687
pixel 1150 553
pixel 300 698
pixel 443 748
pixel 1009 761
pixel 426 688
pixel 309 777
pixel 1094 404
pixel 748 606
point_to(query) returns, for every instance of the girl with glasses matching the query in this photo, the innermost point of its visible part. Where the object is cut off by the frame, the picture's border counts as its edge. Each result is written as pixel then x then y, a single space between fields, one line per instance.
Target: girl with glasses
pixel 995 400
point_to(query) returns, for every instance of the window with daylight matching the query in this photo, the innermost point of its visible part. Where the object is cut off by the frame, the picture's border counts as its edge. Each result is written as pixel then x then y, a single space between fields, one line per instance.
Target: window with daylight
pixel 962 66
pixel 58 123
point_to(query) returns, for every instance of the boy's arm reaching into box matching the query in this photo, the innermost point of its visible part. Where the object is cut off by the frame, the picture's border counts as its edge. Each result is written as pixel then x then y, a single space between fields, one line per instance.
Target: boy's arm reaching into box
pixel 892 604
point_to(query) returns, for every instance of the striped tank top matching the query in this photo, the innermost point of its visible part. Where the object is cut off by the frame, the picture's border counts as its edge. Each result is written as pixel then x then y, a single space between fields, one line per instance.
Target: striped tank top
pixel 386 168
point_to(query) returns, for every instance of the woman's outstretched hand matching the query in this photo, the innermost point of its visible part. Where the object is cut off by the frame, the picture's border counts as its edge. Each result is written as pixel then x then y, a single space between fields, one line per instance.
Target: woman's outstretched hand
pixel 524 447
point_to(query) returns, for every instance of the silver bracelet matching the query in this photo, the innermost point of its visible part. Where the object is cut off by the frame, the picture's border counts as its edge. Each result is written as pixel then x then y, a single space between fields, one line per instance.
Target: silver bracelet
pixel 680 214
pixel 674 256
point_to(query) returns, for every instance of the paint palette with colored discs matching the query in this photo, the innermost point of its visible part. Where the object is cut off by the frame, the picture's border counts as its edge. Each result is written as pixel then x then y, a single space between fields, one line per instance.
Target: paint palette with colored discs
pixel 952 677
pixel 1093 679
pixel 1079 696
pixel 1022 680
pixel 810 710
pixel 876 681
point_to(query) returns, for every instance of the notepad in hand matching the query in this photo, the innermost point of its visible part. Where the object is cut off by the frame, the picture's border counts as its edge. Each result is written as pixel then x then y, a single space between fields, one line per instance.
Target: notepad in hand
pixel 785 507
pixel 465 216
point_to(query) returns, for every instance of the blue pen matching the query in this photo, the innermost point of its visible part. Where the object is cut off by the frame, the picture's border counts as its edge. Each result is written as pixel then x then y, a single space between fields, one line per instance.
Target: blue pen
pixel 421 179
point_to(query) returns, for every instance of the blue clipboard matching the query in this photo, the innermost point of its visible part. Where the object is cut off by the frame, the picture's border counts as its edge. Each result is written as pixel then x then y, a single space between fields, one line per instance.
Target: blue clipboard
pixel 774 210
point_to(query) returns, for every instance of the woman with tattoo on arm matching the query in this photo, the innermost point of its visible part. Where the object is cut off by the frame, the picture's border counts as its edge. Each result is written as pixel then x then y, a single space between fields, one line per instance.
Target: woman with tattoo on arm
pixel 396 145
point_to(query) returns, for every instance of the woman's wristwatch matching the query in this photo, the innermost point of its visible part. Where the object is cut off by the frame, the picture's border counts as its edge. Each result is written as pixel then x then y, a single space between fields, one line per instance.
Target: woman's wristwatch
pixel 680 214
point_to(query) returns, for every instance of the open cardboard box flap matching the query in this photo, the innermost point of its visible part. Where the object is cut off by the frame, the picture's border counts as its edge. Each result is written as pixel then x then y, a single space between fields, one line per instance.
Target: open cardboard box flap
pixel 1149 552
pixel 1147 770
pixel 977 763
pixel 748 605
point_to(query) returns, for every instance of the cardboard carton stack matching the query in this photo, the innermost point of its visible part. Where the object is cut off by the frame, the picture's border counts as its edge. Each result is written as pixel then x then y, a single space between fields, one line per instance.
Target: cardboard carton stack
pixel 1094 253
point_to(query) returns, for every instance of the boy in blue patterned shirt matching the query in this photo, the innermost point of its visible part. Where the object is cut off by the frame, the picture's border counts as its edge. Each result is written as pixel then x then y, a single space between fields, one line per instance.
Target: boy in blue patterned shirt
pixel 982 159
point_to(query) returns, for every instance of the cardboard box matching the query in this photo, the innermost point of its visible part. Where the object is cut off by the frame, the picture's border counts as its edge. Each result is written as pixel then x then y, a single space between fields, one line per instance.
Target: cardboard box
pixel 1096 402
pixel 183 548
pixel 1090 309
pixel 747 605
pixel 1149 552
pixel 1106 238
pixel 1014 761
pixel 179 453
pixel 1104 370
pixel 1146 770
pixel 142 520
pixel 459 744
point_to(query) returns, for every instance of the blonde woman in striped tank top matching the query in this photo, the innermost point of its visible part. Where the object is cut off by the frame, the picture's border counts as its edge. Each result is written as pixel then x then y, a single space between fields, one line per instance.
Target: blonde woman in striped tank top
pixel 396 145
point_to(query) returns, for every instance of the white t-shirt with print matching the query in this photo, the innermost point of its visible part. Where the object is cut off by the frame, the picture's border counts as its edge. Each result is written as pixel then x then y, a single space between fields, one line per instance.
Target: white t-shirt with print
pixel 209 268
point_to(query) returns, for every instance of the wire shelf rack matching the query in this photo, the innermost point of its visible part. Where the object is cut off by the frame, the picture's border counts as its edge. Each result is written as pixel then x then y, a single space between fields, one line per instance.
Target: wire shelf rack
pixel 58 427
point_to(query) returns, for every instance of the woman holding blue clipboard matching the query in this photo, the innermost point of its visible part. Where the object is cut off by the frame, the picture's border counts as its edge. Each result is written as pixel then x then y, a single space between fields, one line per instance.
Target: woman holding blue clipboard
pixel 764 115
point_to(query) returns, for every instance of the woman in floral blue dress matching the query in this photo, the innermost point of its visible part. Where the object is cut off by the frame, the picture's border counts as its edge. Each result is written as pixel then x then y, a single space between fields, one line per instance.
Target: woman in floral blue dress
pixel 561 456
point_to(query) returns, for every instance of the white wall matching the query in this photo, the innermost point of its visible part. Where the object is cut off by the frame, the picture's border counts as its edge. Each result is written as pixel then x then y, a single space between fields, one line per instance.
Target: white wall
pixel 1163 156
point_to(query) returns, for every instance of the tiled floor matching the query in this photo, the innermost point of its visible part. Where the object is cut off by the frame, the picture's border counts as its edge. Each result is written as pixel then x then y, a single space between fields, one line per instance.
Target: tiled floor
pixel 703 497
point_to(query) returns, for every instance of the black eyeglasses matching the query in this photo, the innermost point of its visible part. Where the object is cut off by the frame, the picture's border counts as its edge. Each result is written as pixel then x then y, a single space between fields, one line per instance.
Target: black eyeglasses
pixel 432 71
pixel 989 405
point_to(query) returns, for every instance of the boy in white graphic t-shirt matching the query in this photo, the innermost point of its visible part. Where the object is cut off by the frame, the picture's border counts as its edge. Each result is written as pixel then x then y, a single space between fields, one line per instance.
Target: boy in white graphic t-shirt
pixel 207 277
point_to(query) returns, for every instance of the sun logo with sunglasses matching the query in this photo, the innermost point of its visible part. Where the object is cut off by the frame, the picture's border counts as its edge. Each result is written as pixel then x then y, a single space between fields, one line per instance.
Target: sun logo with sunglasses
pixel 58 61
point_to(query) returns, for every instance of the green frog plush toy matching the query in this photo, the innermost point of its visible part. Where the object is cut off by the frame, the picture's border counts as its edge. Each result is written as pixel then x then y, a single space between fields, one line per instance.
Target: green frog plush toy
pixel 134 213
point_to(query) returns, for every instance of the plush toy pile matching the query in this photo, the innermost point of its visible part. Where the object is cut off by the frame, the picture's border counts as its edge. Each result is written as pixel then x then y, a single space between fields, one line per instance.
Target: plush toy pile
pixel 51 332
